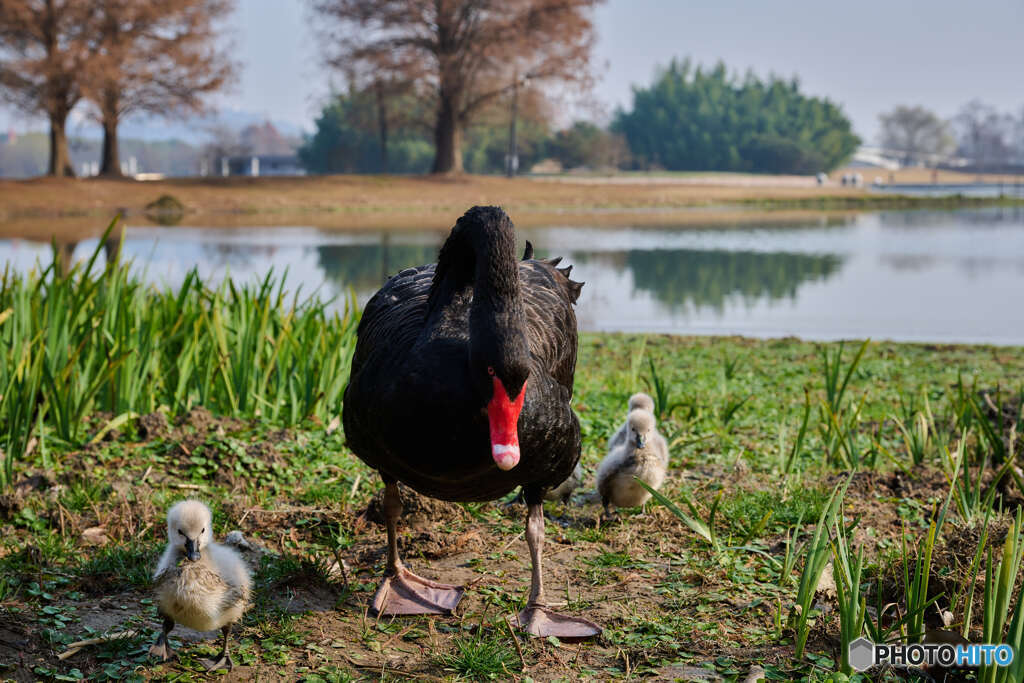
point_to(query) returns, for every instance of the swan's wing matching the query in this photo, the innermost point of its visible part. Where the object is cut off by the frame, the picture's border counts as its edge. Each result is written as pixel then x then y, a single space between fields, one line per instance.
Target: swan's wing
pixel 394 315
pixel 548 298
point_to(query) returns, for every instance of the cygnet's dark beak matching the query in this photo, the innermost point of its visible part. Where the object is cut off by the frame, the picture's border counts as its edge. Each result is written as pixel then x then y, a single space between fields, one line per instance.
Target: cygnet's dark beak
pixel 640 441
pixel 191 551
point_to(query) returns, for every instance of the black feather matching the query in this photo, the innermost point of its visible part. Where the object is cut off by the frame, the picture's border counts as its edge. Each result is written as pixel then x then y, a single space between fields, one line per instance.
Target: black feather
pixel 528 251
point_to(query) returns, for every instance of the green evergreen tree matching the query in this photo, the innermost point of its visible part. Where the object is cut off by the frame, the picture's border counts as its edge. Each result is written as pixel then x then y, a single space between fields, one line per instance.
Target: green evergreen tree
pixel 707 120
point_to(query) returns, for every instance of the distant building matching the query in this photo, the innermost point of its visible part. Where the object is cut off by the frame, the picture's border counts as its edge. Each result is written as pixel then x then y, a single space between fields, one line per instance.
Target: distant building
pixel 867 156
pixel 875 157
pixel 254 165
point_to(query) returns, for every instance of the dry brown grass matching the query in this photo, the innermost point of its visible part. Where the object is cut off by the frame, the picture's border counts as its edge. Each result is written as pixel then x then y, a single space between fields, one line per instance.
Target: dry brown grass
pixel 78 208
pixel 74 228
pixel 367 195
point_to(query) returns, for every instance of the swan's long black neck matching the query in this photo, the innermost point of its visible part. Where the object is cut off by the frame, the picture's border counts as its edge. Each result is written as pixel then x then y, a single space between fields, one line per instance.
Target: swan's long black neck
pixel 480 254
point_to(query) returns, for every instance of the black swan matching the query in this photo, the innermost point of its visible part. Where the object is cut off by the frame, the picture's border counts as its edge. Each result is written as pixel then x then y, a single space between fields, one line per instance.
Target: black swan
pixel 460 388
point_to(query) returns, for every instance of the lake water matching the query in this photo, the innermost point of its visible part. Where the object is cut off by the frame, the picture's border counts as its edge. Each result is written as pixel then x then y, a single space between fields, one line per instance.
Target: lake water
pixel 931 276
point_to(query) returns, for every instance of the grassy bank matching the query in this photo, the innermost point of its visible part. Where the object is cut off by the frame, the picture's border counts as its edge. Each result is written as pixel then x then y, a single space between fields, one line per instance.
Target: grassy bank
pixel 426 201
pixel 762 432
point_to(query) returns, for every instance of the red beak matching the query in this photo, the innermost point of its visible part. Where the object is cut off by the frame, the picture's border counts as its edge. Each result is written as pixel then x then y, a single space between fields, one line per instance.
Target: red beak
pixel 503 415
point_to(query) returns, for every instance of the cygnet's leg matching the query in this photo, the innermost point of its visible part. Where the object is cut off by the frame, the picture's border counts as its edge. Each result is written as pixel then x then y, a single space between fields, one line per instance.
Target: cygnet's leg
pixel 609 515
pixel 162 647
pixel 537 619
pixel 402 592
pixel 224 661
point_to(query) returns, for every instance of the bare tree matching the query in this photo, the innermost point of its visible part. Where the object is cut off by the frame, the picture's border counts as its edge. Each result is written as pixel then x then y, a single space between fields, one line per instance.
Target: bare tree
pixel 916 132
pixel 983 134
pixel 468 52
pixel 43 48
pixel 157 57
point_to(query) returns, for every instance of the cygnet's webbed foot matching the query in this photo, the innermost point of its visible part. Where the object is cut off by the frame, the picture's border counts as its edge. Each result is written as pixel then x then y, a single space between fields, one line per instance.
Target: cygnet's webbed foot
pixel 225 662
pixel 609 516
pixel 161 649
pixel 543 622
pixel 404 593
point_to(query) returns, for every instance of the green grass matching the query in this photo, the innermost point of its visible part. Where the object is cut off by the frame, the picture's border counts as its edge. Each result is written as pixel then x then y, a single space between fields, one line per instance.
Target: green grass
pixel 762 432
pixel 476 658
pixel 117 567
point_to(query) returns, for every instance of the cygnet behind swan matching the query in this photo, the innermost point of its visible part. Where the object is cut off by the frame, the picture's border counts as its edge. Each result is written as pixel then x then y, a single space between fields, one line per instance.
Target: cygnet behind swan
pixel 638 401
pixel 643 455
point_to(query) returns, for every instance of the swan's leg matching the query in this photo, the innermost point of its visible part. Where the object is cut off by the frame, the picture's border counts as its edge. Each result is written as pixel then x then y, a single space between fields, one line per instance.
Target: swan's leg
pixel 402 592
pixel 537 619
pixel 224 661
pixel 162 647
pixel 392 512
pixel 535 540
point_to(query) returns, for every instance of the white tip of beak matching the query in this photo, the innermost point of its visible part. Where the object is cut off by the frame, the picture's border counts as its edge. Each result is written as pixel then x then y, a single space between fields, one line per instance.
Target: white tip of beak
pixel 506 457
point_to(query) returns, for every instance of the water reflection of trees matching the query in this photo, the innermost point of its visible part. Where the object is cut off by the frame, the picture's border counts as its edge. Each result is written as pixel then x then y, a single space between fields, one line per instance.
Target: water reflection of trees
pixel 677 277
pixel 365 267
pixel 686 277
pixel 991 215
pixel 224 254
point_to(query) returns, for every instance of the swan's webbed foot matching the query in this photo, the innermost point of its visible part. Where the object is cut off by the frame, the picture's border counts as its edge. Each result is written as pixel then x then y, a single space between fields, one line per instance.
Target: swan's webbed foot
pixel 225 662
pixel 161 649
pixel 537 619
pixel 542 622
pixel 404 593
pixel 609 517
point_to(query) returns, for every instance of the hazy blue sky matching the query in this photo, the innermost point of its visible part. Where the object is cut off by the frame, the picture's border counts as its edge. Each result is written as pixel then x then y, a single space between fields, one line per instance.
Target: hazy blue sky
pixel 867 55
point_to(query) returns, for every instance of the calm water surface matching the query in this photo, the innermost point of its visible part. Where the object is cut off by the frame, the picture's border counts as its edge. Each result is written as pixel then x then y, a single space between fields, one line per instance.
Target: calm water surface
pixel 915 276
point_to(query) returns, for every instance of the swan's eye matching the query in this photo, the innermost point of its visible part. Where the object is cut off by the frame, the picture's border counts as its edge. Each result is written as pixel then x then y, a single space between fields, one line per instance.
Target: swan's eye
pixel 490 370
pixel 181 532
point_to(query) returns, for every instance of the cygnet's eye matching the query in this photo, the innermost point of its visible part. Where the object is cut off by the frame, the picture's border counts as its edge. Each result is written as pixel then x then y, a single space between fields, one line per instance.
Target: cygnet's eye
pixel 203 531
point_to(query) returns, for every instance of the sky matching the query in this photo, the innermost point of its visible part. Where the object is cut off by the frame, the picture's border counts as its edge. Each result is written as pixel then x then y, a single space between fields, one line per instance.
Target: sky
pixel 867 56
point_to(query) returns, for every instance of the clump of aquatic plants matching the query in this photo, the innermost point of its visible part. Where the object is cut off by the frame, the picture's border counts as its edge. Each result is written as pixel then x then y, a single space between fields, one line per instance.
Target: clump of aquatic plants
pixel 97 339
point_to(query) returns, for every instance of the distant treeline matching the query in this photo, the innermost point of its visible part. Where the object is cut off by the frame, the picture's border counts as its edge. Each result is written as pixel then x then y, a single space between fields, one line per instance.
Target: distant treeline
pixel 358 133
pixel 688 119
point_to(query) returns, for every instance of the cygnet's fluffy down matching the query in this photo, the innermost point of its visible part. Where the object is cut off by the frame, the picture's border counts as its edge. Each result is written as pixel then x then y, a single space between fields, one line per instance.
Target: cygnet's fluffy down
pixel 563 491
pixel 644 455
pixel 199 583
pixel 638 401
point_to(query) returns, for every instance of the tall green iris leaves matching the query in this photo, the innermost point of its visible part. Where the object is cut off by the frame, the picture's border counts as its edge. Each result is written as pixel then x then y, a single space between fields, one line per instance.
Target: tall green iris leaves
pixel 99 339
